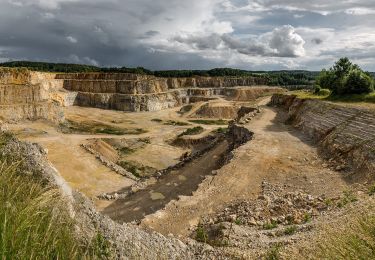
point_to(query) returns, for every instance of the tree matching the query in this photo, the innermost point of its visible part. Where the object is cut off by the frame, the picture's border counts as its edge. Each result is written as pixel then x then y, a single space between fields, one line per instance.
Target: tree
pixel 346 78
pixel 358 82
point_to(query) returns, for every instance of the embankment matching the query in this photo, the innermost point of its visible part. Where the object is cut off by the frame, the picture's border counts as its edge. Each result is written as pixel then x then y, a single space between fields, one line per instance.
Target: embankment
pixel 346 136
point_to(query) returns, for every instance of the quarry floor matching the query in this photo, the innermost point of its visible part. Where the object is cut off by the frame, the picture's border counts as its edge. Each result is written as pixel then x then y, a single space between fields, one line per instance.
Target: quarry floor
pixel 277 154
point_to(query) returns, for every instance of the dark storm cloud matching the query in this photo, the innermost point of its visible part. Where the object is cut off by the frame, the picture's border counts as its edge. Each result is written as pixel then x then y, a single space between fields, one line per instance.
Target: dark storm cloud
pixel 166 34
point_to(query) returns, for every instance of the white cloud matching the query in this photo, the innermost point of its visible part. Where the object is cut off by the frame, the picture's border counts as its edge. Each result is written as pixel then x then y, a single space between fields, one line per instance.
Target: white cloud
pixel 281 42
pixel 71 39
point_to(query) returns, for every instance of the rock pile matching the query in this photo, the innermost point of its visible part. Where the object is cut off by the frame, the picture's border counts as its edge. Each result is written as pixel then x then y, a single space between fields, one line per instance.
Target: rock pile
pixel 274 206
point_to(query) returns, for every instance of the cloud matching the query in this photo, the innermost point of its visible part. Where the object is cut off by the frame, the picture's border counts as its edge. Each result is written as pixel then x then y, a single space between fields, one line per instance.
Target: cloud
pixel 281 42
pixel 191 34
pixel 317 41
pixel 71 39
pixel 287 42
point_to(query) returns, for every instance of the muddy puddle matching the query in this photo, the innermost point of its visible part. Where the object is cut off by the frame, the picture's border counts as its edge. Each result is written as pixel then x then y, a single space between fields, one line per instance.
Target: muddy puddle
pixel 181 182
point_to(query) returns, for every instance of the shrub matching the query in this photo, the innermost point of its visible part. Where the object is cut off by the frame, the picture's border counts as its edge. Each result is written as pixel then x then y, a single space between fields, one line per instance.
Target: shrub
pixel 290 230
pixel 324 92
pixel 201 235
pixel 358 82
pixel 192 131
pixel 345 78
pixel 270 225
pixel 317 89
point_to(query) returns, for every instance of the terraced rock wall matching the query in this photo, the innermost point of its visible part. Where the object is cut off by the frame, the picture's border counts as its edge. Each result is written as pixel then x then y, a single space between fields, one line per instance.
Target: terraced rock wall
pixel 345 135
pixel 26 95
pixel 131 92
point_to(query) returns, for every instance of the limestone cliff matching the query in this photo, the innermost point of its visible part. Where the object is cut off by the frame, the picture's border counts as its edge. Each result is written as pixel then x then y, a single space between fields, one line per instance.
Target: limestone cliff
pixel 26 95
pixel 131 92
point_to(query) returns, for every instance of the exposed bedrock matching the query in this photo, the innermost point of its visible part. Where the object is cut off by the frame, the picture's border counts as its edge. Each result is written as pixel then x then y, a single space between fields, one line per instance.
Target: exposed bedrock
pixel 133 103
pixel 130 92
pixel 345 135
pixel 26 95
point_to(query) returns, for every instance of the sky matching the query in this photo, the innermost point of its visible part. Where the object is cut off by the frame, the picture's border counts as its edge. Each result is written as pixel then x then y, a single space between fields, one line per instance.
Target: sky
pixel 193 34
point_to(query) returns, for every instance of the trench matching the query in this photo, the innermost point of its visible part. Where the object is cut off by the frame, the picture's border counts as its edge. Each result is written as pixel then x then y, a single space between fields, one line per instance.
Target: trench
pixel 180 182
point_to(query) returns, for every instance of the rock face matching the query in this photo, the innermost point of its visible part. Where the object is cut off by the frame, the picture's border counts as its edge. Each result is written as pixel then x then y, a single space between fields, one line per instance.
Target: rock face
pixel 134 93
pixel 34 95
pixel 345 135
pixel 26 95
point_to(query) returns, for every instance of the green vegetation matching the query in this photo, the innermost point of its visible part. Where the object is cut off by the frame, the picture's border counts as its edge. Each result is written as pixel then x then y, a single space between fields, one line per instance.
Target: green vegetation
pixel 291 230
pixel 221 130
pixel 176 123
pixel 371 190
pixel 126 150
pixel 346 78
pixel 273 78
pixel 307 217
pixel 137 169
pixel 209 122
pixel 356 240
pixel 270 225
pixel 348 197
pixel 72 127
pixel 274 252
pixel 352 98
pixel 201 235
pixel 238 221
pixel 192 131
pixel 186 109
pixel 35 222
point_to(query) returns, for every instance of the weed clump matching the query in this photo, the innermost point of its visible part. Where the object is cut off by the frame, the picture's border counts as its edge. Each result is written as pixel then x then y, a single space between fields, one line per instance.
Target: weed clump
pixel 209 122
pixel 192 131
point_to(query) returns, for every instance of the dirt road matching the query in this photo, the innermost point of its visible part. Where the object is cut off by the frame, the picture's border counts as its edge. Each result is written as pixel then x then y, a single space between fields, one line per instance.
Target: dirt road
pixel 278 153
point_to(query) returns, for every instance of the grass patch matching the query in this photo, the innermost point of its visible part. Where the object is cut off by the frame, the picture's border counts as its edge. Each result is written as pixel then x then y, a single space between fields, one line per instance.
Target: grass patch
pixel 371 190
pixel 186 109
pixel 355 240
pixel 238 222
pixel 72 127
pixel 210 122
pixel 35 222
pixel 348 197
pixel 291 230
pixel 176 123
pixel 192 131
pixel 137 169
pixel 201 235
pixel 352 98
pixel 270 225
pixel 126 150
pixel 274 252
pixel 221 130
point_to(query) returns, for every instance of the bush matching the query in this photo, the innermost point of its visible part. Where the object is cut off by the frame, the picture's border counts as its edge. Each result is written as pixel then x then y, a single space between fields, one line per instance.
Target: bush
pixel 192 131
pixel 345 78
pixel 323 92
pixel 358 83
pixel 317 89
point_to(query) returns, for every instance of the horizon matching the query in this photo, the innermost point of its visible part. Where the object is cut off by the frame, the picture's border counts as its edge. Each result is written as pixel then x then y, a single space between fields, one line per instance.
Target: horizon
pixel 261 35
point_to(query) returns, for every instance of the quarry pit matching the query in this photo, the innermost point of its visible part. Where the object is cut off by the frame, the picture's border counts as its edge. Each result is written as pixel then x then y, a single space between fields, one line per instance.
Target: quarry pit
pixel 169 154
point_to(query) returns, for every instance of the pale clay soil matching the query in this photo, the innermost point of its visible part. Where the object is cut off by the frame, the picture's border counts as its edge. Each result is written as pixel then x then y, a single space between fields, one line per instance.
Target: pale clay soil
pixel 277 154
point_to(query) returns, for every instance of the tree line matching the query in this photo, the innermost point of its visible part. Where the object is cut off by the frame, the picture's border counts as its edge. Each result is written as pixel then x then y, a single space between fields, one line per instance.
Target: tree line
pixel 274 78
